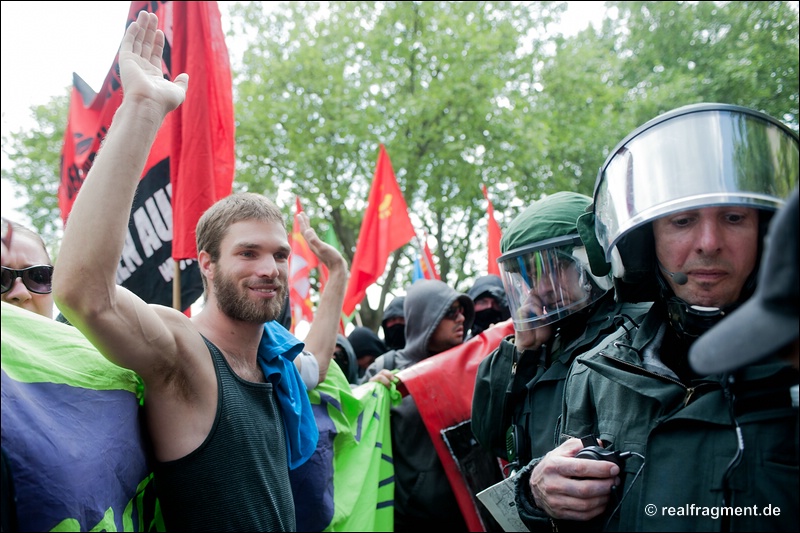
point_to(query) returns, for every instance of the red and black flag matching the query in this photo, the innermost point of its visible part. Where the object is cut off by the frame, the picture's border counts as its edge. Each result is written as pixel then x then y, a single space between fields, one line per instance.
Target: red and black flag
pixel 190 165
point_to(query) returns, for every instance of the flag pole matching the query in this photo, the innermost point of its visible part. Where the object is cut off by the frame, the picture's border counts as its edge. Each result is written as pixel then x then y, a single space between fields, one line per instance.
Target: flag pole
pixel 176 287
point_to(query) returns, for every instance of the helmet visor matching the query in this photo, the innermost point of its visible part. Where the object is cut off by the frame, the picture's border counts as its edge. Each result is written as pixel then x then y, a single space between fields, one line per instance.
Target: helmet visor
pixel 698 156
pixel 546 282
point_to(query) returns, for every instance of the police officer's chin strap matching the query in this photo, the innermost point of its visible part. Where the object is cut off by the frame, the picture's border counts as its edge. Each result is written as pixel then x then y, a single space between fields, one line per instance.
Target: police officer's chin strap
pixel 691 321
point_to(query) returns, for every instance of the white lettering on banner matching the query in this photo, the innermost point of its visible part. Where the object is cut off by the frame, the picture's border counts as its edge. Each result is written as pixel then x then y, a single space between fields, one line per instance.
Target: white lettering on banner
pixel 147 233
pixel 153 225
pixel 165 207
pixel 129 261
pixel 167 268
pixel 159 224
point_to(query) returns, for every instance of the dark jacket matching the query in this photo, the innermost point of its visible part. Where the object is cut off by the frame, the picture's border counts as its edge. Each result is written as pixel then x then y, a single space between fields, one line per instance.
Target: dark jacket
pixel 527 391
pixel 682 433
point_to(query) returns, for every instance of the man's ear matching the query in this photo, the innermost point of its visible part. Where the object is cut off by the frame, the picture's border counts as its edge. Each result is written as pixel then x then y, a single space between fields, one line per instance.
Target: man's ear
pixel 206 265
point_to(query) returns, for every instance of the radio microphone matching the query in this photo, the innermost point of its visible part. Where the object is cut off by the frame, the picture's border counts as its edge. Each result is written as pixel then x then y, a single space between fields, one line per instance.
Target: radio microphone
pixel 678 277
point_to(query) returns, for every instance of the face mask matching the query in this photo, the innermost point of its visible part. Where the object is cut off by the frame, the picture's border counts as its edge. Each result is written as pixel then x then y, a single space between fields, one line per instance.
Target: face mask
pixel 395 336
pixel 484 319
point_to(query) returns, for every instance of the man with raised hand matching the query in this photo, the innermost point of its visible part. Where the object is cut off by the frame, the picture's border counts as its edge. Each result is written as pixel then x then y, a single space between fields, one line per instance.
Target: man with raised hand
pixel 213 413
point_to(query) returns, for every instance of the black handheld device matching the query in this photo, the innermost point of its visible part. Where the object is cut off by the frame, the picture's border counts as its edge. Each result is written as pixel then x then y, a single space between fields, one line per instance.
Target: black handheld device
pixel 598 453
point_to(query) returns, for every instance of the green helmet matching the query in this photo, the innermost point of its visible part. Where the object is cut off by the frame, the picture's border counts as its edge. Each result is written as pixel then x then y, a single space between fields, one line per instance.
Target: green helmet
pixel 544 266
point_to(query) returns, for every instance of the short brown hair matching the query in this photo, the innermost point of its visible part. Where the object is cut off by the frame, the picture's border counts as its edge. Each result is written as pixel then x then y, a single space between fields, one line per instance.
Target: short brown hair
pixel 213 225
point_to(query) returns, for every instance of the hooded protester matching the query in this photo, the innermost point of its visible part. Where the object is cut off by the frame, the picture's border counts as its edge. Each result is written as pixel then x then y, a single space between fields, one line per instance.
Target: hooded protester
pixel 394 324
pixel 491 306
pixel 437 319
pixel 345 357
pixel 367 347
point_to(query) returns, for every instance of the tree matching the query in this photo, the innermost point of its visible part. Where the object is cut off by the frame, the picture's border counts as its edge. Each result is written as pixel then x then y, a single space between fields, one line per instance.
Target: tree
pixel 460 93
pixel 35 156
pixel 743 53
pixel 444 85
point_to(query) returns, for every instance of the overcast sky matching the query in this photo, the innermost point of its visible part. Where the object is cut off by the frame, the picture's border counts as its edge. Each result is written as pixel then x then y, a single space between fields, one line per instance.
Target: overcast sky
pixel 43 43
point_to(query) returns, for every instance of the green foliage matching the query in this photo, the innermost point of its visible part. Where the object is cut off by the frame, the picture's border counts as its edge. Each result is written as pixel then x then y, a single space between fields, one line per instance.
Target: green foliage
pixel 35 158
pixel 443 85
pixel 743 53
pixel 460 93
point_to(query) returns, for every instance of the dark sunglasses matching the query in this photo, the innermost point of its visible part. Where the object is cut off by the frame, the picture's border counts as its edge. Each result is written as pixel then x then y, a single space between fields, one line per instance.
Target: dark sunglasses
pixel 453 312
pixel 38 279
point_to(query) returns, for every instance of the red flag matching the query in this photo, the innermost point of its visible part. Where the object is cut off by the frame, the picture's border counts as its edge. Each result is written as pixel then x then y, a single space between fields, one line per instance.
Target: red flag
pixel 301 262
pixel 442 387
pixel 190 164
pixel 494 237
pixel 385 228
pixel 202 158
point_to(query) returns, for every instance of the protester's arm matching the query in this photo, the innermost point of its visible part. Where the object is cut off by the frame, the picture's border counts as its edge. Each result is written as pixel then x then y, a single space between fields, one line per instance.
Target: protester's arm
pixel 119 324
pixel 321 337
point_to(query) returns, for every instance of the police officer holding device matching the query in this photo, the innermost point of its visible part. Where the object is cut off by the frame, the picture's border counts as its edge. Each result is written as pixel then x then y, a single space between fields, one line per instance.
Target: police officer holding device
pixel 681 207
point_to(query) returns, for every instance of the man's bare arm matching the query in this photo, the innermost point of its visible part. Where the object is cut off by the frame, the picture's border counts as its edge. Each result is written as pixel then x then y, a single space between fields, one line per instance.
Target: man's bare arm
pixel 321 337
pixel 124 328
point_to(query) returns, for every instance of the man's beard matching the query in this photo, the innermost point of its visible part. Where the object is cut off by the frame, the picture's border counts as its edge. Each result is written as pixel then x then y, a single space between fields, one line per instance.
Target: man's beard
pixel 235 304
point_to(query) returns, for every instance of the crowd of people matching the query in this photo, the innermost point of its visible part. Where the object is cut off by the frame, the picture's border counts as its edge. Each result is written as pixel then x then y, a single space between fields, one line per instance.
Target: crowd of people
pixel 650 383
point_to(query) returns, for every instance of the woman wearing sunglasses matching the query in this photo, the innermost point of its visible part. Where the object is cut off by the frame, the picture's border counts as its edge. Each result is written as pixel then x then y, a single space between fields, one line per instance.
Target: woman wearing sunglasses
pixel 27 272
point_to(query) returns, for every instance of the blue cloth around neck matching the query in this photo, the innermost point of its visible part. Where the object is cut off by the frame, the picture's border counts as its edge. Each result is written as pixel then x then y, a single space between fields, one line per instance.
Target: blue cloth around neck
pixel 276 354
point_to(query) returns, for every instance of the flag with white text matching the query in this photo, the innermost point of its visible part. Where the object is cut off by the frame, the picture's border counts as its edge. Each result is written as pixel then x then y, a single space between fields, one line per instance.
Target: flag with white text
pixel 190 165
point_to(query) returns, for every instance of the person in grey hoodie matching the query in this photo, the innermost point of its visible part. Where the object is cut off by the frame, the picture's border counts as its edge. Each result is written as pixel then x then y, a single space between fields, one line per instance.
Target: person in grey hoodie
pixel 437 319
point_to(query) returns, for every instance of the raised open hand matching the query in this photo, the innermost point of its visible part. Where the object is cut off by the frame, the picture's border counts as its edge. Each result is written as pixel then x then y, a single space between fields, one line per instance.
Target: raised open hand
pixel 140 65
pixel 329 255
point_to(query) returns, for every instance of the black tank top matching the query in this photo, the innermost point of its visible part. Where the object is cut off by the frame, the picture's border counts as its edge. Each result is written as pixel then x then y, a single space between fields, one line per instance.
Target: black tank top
pixel 238 479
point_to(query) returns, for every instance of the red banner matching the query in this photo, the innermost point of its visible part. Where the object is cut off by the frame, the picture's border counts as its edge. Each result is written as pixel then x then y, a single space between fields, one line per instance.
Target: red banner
pixel 385 228
pixel 202 158
pixel 442 387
